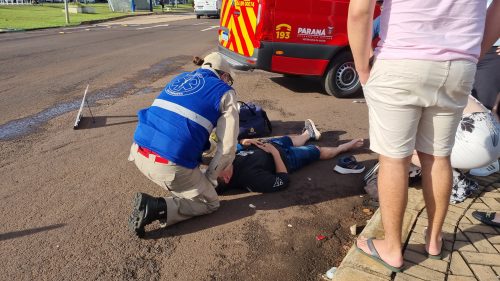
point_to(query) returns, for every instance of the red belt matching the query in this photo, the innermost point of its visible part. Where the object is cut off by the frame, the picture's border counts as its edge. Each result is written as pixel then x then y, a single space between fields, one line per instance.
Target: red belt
pixel 146 152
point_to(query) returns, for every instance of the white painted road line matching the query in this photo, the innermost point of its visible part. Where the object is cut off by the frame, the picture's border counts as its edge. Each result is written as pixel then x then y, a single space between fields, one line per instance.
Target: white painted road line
pixel 146 27
pixel 200 23
pixel 212 27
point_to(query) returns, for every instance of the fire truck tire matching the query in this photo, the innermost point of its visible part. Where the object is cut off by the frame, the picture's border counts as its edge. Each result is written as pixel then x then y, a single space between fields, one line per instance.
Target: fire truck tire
pixel 341 79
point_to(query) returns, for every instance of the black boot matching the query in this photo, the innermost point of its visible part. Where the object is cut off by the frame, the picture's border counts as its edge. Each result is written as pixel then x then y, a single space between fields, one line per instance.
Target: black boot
pixel 146 210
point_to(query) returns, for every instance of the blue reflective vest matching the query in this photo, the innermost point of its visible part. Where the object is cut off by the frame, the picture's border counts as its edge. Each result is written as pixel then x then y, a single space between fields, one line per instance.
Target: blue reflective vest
pixel 179 122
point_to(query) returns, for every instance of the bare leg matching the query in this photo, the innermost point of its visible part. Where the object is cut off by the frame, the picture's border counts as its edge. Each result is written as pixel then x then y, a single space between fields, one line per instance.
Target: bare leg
pixel 326 153
pixel 300 140
pixel 436 185
pixel 415 160
pixel 393 197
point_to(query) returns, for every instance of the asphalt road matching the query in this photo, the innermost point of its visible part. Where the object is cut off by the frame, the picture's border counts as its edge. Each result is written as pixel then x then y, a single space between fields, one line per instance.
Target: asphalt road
pixel 41 69
pixel 66 194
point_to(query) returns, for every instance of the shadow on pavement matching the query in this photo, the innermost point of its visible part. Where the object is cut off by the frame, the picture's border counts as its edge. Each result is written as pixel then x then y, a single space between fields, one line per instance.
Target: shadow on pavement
pixel 21 233
pixel 313 184
pixel 304 84
pixel 306 188
pixel 105 121
pixel 414 252
pixel 300 84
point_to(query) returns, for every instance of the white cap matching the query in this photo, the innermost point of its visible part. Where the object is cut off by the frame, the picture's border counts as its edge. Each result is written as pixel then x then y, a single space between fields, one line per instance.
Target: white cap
pixel 216 61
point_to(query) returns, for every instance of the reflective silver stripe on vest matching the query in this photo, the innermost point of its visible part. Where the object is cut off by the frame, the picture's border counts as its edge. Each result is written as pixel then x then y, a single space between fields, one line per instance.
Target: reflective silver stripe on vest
pixel 182 111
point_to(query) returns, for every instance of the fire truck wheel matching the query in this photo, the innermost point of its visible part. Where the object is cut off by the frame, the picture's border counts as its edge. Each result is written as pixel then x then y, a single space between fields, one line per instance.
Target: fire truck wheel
pixel 341 79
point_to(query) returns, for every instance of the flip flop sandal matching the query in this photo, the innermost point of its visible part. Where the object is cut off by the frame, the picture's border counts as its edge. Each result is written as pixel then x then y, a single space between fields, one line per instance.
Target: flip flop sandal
pixel 436 257
pixel 375 256
pixel 486 218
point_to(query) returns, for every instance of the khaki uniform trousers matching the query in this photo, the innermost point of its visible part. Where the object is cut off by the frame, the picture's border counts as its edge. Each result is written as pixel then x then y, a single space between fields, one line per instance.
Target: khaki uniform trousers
pixel 193 194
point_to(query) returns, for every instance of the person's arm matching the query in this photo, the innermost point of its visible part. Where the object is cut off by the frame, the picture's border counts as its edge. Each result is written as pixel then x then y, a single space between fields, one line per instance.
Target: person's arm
pixel 227 135
pixel 359 31
pixel 496 107
pixel 244 143
pixel 492 27
pixel 278 162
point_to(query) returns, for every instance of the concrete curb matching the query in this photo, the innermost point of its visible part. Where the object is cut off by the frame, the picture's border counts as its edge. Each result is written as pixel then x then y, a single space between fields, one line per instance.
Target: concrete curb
pixel 356 266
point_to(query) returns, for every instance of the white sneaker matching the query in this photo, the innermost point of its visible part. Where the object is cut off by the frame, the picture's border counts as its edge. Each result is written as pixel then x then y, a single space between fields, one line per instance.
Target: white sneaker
pixel 311 129
pixel 486 171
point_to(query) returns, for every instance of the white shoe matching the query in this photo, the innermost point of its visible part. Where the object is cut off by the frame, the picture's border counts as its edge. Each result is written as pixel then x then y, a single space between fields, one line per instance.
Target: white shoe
pixel 311 129
pixel 486 171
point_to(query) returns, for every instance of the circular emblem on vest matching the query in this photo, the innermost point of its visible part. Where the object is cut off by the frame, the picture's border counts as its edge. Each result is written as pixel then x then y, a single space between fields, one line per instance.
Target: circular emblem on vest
pixel 185 85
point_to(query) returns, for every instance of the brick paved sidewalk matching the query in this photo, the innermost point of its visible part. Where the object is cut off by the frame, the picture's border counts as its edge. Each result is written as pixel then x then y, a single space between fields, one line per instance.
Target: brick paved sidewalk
pixel 471 249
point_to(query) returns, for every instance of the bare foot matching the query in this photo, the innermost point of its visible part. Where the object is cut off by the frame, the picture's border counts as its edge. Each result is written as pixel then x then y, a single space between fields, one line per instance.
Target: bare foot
pixel 355 143
pixel 392 257
pixel 497 218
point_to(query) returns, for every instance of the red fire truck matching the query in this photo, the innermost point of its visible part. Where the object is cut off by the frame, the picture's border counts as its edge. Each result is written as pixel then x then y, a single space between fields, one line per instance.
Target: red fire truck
pixel 297 37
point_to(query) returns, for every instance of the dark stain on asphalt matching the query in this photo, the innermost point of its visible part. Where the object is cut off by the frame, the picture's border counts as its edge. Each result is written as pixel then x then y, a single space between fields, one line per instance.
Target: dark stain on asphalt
pixel 20 127
pixel 268 104
pixel 141 80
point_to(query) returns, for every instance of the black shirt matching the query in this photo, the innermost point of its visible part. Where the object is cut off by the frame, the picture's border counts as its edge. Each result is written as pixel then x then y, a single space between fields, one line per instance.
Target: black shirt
pixel 254 170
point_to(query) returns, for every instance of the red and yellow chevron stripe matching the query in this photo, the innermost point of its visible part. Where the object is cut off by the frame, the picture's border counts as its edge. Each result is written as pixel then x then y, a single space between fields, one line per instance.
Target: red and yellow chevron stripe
pixel 240 18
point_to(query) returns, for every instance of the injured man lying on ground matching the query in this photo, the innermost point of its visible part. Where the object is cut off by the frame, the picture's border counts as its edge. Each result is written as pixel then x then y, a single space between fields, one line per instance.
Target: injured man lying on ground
pixel 263 165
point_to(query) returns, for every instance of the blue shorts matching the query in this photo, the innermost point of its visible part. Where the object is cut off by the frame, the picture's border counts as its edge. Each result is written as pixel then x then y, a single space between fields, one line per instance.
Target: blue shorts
pixel 296 157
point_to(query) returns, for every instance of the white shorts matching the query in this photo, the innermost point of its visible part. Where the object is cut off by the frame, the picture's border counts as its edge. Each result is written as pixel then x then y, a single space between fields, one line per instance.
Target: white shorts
pixel 416 104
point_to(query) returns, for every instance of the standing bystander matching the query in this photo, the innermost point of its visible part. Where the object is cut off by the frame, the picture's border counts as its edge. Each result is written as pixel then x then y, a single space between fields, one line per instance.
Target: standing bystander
pixel 423 72
pixel 162 3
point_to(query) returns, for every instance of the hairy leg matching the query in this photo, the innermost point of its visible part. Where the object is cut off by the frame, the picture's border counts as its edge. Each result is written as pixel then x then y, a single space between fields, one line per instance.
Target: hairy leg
pixel 393 197
pixel 300 140
pixel 326 153
pixel 436 184
pixel 415 160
